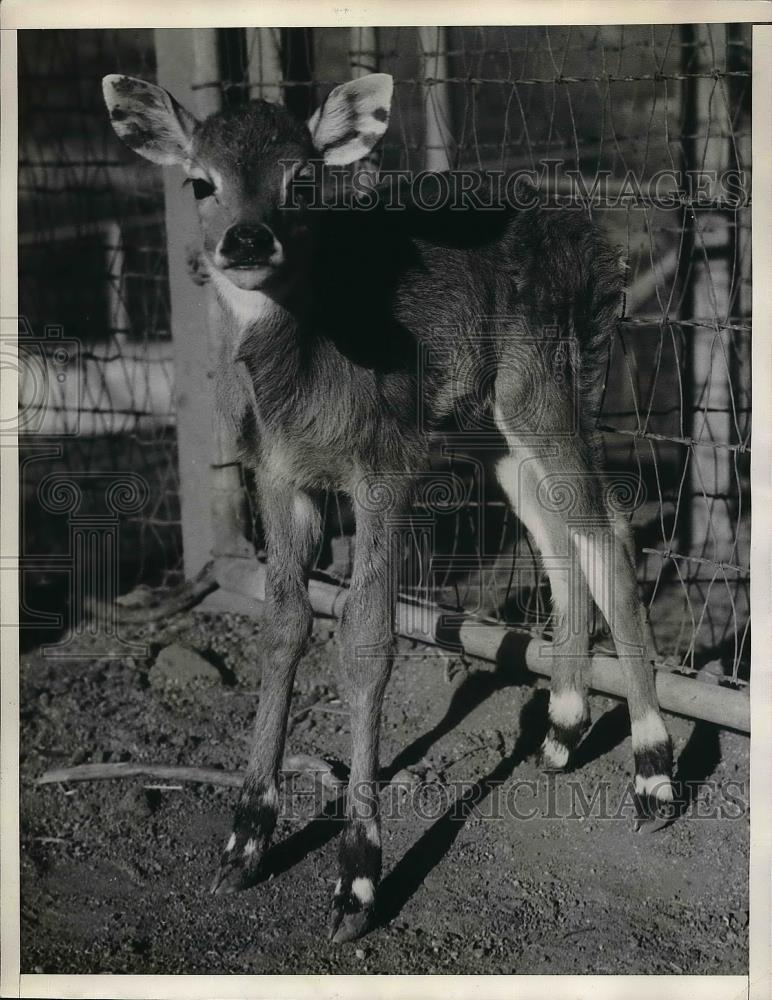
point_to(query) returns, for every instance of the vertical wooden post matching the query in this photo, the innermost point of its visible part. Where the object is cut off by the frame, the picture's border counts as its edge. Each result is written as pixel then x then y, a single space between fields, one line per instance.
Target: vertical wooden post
pixel 439 137
pixel 189 321
pixel 363 51
pixel 708 301
pixel 211 497
pixel 264 64
pixel 228 502
pixel 297 61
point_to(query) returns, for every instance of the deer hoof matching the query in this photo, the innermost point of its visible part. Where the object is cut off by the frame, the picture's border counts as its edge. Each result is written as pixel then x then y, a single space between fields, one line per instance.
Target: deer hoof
pixel 655 803
pixel 353 911
pixel 349 926
pixel 651 824
pixel 240 866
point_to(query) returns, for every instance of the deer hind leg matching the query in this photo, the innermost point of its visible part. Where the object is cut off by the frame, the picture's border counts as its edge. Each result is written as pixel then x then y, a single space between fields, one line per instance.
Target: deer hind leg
pixel 569 712
pixel 366 637
pixel 292 525
pixel 610 571
pixel 562 500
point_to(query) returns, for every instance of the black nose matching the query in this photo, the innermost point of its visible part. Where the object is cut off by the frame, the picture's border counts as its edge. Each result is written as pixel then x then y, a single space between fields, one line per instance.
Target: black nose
pixel 244 245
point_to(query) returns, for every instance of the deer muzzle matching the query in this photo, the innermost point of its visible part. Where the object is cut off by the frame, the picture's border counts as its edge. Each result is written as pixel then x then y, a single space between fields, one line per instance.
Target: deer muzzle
pixel 248 247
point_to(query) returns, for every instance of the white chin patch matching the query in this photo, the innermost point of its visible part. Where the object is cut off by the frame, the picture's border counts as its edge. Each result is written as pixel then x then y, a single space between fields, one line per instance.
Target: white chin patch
pixel 657 785
pixel 246 305
pixel 363 890
pixel 566 708
pixel 247 279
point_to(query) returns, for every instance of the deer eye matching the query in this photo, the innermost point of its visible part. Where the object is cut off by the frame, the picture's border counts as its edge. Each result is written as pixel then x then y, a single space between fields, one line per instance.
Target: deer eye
pixel 201 188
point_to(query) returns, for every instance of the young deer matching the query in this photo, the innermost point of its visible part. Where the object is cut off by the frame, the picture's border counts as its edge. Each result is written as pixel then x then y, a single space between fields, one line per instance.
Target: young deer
pixel 325 315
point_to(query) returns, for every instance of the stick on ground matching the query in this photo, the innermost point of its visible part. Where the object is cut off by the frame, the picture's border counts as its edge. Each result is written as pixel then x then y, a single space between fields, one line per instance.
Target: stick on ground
pixel 295 764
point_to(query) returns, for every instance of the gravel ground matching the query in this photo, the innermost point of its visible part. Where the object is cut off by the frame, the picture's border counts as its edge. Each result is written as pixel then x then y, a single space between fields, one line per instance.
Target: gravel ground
pixel 115 874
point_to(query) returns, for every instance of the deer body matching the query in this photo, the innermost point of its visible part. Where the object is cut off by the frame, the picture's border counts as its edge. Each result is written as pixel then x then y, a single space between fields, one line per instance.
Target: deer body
pixel 348 337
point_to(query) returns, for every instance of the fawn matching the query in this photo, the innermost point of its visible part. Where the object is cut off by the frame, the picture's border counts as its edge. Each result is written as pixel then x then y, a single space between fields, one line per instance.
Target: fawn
pixel 325 314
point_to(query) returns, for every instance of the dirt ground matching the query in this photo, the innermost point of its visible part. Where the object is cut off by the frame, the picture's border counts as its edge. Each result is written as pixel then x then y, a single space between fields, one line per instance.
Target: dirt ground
pixel 509 879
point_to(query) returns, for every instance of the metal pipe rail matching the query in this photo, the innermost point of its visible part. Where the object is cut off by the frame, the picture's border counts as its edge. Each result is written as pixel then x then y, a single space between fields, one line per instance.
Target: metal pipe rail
pixel 498 644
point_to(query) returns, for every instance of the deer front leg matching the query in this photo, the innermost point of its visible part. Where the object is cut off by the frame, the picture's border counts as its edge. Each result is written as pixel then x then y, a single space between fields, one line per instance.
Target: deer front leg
pixel 366 637
pixel 291 523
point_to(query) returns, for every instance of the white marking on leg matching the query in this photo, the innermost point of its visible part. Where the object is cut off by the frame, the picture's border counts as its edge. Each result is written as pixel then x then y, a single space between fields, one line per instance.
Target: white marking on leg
pixel 555 753
pixel 364 890
pixel 657 785
pixel 648 731
pixel 373 834
pixel 250 847
pixel 270 797
pixel 566 708
pixel 231 842
pixel 338 887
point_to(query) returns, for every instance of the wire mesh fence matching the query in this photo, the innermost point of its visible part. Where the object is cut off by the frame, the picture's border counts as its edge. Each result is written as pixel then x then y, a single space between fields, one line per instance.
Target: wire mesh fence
pixel 647 126
pixel 96 374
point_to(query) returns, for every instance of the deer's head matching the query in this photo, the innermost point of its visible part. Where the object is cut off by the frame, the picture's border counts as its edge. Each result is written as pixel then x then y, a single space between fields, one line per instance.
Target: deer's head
pixel 239 161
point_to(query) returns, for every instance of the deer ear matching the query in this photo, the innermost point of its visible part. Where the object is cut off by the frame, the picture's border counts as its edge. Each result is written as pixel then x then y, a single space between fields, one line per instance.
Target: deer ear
pixel 352 119
pixel 148 119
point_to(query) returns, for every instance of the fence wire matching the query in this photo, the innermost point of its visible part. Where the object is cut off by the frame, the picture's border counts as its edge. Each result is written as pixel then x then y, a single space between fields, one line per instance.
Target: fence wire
pixel 625 105
pixel 96 374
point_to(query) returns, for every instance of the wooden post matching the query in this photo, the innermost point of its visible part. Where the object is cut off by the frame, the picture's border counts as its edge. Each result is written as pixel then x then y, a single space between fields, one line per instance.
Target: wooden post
pixel 228 503
pixel 297 63
pixel 439 137
pixel 211 496
pixel 363 51
pixel 264 64
pixel 189 321
pixel 706 305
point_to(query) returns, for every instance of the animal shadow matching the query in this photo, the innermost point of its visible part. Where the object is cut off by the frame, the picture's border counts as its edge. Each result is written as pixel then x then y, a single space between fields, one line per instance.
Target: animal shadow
pixel 432 846
pixel 472 692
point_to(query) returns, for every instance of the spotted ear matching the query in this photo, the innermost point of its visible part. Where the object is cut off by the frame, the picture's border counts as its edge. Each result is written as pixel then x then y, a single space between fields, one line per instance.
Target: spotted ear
pixel 352 119
pixel 148 119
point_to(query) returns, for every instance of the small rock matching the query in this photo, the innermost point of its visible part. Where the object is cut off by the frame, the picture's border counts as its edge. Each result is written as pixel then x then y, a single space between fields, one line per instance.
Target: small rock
pixel 178 666
pixel 360 953
pixel 135 803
